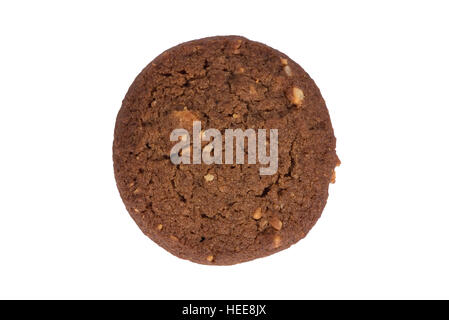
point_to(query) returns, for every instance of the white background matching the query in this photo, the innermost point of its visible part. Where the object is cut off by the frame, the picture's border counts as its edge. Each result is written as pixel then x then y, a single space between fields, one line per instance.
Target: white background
pixel 383 69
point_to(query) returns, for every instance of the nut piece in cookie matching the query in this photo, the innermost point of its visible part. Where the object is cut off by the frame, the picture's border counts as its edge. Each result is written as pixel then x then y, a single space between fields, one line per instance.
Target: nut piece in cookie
pixel 276 223
pixel 277 241
pixel 257 214
pixel 334 176
pixel 287 69
pixel 296 96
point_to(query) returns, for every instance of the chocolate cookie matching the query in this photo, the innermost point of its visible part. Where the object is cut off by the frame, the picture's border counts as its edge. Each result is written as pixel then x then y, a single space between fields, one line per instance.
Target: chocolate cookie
pixel 198 201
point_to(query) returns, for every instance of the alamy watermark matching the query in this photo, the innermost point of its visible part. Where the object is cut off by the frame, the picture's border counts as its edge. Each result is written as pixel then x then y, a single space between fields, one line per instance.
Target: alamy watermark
pixel 212 153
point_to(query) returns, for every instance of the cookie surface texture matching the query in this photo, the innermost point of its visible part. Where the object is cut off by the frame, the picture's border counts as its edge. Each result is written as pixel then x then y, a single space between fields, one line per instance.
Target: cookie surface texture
pixel 224 213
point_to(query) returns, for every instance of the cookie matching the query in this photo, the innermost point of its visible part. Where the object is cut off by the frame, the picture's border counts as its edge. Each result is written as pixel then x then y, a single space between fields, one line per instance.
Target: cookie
pixel 191 183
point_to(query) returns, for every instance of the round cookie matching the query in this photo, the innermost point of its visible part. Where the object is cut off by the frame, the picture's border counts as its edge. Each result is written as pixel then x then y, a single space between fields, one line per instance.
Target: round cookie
pixel 222 214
